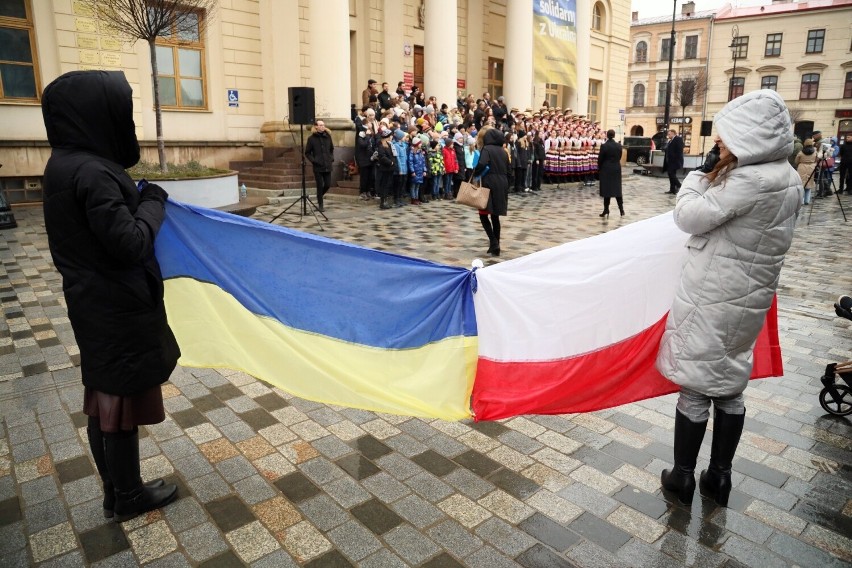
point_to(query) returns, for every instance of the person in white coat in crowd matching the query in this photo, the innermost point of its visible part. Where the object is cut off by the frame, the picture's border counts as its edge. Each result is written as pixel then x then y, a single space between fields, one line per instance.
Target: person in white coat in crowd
pixel 741 218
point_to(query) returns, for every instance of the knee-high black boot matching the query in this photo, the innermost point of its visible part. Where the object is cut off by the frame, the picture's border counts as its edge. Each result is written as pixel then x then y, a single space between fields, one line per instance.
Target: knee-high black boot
pixel 687 441
pixel 716 480
pixel 486 225
pixel 132 497
pixel 495 222
pixel 96 444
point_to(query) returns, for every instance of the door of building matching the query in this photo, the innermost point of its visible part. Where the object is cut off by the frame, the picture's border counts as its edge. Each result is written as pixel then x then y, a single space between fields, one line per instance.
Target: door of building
pixel 418 67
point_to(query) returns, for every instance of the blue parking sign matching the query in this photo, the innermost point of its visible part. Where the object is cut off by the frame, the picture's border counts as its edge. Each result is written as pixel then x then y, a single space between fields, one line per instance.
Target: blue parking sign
pixel 233 98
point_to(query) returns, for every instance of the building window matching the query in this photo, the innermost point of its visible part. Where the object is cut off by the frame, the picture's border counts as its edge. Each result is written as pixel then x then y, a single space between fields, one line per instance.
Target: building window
pixel 773 45
pixel 690 50
pixel 18 61
pixel 810 86
pixel 815 41
pixel 661 94
pixel 740 50
pixel 639 95
pixel 737 86
pixel 769 82
pixel 641 52
pixel 665 49
pixel 594 97
pixel 847 86
pixel 598 17
pixel 495 77
pixel 551 94
pixel 180 64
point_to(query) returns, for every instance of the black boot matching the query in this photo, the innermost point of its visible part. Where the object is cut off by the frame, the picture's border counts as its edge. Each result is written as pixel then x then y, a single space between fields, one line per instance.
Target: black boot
pixel 489 232
pixel 687 441
pixel 495 222
pixel 716 480
pixel 320 208
pixel 96 444
pixel 605 213
pixel 132 497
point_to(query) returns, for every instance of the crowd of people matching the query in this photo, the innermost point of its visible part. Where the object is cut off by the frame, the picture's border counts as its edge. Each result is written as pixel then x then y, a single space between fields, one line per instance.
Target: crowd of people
pixel 547 145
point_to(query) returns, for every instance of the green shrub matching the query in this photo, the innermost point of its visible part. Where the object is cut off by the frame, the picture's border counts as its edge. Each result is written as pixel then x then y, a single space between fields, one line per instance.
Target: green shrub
pixel 192 169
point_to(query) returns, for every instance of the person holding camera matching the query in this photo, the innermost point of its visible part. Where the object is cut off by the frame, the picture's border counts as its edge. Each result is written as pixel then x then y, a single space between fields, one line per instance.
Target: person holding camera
pixel 101 231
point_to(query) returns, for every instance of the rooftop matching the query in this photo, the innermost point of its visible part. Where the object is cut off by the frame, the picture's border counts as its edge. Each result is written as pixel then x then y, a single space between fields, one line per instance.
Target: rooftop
pixel 728 11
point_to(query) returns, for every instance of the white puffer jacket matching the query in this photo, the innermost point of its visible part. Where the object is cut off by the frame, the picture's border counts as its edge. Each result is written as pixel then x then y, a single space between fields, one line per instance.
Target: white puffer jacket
pixel 741 228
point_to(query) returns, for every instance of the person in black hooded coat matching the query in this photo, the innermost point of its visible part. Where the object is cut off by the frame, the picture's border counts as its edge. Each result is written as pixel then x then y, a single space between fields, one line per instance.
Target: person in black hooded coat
pixel 101 233
pixel 493 170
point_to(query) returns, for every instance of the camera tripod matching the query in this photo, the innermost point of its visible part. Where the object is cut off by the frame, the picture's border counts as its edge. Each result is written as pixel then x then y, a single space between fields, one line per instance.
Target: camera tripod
pixel 303 200
pixel 822 174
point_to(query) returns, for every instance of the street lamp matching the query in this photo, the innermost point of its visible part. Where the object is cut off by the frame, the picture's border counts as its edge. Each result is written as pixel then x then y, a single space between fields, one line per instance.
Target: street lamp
pixel 671 59
pixel 735 51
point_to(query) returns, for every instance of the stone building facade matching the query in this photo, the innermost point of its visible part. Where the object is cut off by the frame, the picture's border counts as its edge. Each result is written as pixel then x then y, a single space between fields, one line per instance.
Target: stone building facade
pixel 228 97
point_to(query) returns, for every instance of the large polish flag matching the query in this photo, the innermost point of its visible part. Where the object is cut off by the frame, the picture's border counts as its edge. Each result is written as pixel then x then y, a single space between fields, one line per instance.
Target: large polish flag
pixel 577 327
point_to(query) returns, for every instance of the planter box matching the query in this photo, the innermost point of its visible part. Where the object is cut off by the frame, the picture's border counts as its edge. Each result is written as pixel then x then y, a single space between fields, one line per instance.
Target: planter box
pixel 210 192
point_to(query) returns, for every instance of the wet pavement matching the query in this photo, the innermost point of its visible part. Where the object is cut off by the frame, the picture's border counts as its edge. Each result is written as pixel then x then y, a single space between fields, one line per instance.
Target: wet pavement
pixel 266 479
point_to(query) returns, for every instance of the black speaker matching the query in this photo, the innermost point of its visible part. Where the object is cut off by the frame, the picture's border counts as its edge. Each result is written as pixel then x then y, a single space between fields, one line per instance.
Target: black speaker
pixel 301 105
pixel 706 127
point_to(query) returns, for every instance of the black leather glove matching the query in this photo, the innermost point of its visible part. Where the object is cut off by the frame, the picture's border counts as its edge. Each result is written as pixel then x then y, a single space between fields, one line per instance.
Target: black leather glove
pixel 153 192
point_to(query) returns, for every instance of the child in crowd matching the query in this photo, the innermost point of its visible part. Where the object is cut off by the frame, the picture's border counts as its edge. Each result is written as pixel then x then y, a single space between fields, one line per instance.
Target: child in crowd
pixel 451 167
pixel 436 167
pixel 400 178
pixel 417 169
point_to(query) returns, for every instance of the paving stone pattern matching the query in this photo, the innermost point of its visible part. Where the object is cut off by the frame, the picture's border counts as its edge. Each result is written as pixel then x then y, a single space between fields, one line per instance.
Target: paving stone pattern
pixel 266 479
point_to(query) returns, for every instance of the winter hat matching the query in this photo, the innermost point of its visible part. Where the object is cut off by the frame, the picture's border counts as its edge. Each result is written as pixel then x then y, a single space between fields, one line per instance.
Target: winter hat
pixel 429 109
pixel 398 134
pixel 403 105
pixel 385 133
pixel 459 138
pixel 808 142
pixel 416 142
pixel 439 127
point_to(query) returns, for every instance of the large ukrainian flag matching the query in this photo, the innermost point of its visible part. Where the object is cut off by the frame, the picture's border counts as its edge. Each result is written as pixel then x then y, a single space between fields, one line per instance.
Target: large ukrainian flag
pixel 321 319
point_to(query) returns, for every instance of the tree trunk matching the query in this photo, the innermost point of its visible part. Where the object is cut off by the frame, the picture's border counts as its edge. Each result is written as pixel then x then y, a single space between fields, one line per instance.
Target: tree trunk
pixel 158 113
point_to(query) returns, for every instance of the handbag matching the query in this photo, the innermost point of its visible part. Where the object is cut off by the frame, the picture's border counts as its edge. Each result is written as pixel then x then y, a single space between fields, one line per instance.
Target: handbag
pixel 474 196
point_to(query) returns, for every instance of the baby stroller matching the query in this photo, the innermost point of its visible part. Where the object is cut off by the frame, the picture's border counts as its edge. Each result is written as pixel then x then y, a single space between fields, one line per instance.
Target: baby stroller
pixel 836 398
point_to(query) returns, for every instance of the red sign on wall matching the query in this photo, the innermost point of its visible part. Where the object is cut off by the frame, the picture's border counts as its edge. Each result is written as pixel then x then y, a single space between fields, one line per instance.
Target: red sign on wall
pixel 408 79
pixel 461 84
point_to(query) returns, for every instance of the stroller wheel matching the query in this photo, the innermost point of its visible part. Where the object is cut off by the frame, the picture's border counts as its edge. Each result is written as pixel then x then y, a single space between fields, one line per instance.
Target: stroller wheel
pixel 840 406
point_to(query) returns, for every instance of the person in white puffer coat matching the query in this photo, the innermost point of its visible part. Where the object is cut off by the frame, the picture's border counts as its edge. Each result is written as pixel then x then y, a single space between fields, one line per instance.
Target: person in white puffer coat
pixel 741 217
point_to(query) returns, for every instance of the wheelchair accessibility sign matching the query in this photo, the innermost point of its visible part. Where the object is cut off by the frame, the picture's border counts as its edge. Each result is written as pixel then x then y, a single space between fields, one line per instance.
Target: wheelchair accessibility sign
pixel 233 98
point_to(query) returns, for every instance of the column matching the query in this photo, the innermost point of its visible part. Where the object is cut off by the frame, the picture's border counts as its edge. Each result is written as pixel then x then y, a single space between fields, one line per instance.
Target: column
pixel 475 48
pixel 279 38
pixel 440 50
pixel 328 34
pixel 584 40
pixel 518 62
pixel 394 58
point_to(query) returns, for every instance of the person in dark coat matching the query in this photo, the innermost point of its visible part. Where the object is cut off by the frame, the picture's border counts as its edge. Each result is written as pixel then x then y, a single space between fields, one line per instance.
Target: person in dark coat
pixel 538 155
pixel 461 174
pixel 365 145
pixel 101 232
pixel 673 160
pixel 387 166
pixel 493 170
pixel 609 171
pixel 319 150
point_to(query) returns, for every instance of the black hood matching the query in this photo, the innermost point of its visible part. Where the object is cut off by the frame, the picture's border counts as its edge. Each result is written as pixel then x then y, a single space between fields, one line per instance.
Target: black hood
pixel 92 111
pixel 494 137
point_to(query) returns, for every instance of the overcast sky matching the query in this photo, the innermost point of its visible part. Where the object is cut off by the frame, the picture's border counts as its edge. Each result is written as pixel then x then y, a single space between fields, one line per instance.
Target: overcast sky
pixel 653 8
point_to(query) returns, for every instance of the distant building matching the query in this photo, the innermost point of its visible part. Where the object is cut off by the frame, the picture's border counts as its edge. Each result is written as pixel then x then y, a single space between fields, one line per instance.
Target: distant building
pixel 225 91
pixel 799 49
pixel 650 41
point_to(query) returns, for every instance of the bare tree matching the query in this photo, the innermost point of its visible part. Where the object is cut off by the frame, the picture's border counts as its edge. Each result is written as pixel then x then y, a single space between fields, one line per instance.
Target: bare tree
pixel 148 19
pixel 689 89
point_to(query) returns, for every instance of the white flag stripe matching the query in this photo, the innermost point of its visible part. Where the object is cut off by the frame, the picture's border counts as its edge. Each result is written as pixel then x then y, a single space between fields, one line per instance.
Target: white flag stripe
pixel 581 296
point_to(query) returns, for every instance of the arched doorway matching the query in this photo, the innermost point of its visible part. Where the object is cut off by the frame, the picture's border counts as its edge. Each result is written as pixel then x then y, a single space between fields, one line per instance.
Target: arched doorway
pixel 637 130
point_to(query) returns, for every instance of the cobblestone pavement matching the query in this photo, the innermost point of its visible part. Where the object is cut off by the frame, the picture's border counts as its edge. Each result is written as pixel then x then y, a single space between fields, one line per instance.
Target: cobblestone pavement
pixel 270 480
